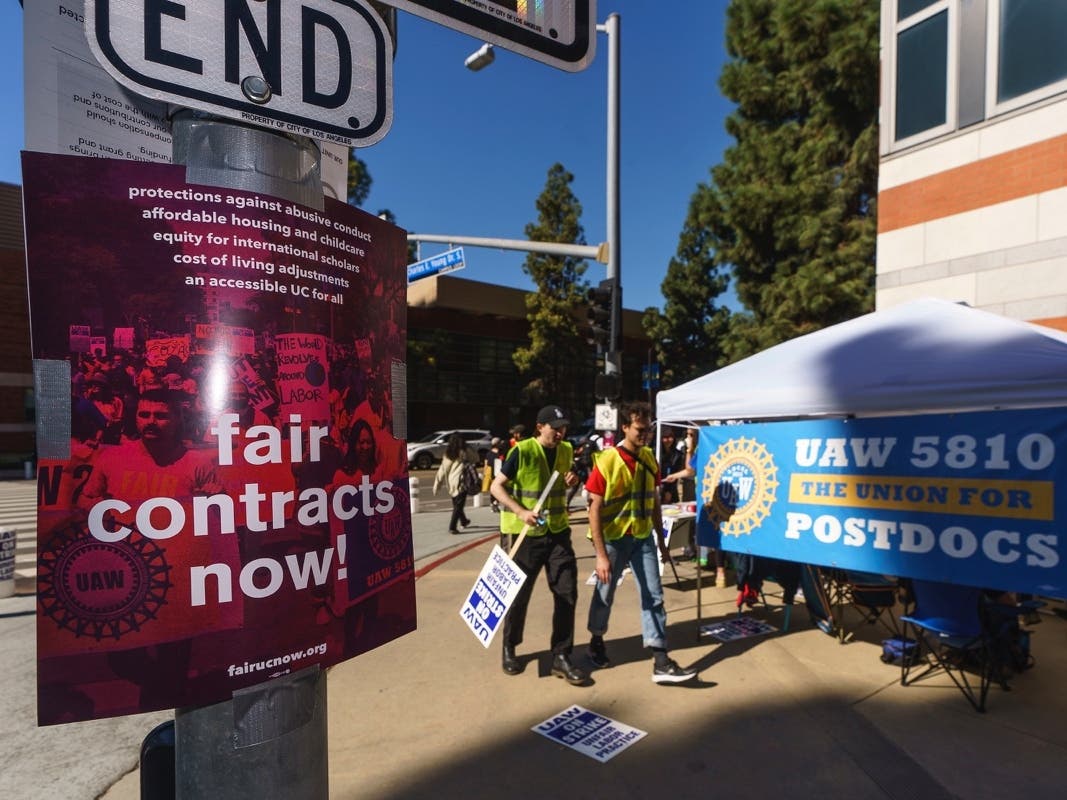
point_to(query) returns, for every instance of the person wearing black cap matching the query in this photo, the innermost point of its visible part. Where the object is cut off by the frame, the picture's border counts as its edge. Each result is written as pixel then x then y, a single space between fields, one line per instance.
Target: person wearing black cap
pixel 522 479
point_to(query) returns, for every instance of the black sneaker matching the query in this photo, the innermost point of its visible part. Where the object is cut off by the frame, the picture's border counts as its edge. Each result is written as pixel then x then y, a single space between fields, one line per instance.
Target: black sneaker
pixel 672 673
pixel 598 654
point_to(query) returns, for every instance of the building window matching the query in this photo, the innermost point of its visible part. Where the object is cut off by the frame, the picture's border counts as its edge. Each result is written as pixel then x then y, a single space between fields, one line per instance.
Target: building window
pixel 908 8
pixel 922 76
pixel 923 53
pixel 1029 56
pixel 951 63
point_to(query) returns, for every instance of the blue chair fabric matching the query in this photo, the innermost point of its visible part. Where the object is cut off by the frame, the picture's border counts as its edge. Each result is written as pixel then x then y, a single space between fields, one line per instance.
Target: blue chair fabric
pixel 951 638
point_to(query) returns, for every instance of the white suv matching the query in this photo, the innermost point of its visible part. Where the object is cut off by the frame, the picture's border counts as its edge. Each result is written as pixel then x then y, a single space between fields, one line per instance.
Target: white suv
pixel 430 449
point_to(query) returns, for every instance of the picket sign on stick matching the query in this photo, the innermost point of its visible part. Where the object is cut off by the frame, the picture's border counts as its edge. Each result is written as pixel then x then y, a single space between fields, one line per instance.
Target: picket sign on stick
pixel 497 584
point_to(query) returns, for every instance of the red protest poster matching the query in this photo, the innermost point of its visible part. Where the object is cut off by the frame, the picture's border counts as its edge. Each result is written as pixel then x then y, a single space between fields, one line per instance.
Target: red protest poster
pixel 233 504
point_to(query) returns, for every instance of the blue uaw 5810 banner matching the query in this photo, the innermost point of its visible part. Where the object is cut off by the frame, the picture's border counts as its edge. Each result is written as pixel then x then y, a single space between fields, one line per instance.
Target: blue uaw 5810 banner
pixel 977 499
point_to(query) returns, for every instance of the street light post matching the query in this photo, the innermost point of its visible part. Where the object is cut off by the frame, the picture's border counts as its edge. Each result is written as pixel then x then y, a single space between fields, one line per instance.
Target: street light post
pixel 613 355
pixel 612 362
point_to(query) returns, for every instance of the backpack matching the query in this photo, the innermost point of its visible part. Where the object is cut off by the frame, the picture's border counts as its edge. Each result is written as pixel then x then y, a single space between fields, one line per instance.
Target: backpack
pixel 470 481
pixel 900 650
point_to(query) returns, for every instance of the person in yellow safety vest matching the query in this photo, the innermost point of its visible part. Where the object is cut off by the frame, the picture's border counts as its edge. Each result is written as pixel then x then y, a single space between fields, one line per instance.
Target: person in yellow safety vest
pixel 547 544
pixel 625 523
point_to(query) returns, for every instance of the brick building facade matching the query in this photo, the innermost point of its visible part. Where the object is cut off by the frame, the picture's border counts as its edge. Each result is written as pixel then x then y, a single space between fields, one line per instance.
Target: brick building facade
pixel 16 370
pixel 972 202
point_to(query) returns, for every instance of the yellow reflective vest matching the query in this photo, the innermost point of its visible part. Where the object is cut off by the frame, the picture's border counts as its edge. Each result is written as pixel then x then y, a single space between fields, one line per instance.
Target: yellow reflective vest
pixel 629 498
pixel 530 481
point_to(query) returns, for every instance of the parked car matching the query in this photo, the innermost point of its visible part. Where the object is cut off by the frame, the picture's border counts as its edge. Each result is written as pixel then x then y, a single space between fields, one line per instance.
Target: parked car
pixel 430 449
pixel 578 432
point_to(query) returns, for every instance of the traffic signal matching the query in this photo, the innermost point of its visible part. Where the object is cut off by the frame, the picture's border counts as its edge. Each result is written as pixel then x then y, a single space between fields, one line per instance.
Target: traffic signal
pixel 601 300
pixel 606 386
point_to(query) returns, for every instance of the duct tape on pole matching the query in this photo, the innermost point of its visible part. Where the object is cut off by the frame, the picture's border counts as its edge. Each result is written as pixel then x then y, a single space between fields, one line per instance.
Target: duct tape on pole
pixel 7 562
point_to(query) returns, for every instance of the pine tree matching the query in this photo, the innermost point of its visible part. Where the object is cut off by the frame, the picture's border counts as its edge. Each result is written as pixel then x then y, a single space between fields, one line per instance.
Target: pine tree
pixel 359 180
pixel 798 189
pixel 556 363
pixel 687 333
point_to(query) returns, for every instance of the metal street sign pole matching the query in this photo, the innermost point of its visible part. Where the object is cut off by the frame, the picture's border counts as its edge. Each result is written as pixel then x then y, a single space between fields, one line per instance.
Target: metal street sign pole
pixel 270 740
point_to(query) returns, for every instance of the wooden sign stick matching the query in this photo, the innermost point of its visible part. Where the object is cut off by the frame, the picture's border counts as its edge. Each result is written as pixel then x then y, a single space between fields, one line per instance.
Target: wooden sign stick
pixel 536 510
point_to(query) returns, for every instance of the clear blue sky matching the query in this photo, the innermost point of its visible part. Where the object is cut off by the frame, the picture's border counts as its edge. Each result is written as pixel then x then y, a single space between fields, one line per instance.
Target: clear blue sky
pixel 468 152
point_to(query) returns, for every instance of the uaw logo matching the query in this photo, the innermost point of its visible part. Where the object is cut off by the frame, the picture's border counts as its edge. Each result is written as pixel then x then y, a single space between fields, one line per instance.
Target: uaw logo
pixel 103 590
pixel 739 486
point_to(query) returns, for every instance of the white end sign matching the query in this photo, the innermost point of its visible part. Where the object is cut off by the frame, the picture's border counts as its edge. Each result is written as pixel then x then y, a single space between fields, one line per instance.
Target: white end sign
pixel 317 68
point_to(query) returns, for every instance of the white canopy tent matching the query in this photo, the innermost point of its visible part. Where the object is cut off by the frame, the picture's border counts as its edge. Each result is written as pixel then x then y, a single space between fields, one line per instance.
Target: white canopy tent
pixel 922 357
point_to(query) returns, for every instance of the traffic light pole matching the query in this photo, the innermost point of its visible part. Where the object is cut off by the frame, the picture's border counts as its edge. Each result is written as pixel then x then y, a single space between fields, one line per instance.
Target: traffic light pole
pixel 608 252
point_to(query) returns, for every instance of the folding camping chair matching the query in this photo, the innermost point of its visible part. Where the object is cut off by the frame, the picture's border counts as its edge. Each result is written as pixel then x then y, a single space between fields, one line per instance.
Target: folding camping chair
pixel 950 638
pixel 873 596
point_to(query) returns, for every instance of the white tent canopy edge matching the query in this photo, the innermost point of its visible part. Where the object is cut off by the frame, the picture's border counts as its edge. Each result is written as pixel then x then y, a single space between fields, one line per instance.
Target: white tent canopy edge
pixel 926 356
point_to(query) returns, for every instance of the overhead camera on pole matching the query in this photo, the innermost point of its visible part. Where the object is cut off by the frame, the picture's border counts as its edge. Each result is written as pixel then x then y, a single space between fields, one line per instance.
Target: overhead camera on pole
pixel 480 58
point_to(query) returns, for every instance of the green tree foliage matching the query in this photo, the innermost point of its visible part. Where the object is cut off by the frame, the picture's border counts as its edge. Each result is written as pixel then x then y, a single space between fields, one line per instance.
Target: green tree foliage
pixel 555 364
pixel 359 180
pixel 686 335
pixel 798 189
pixel 413 248
pixel 790 211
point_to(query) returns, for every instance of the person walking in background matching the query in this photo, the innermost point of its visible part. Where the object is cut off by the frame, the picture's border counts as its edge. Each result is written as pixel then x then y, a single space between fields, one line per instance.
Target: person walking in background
pixel 684 479
pixel 626 523
pixel 494 460
pixel 583 463
pixel 523 477
pixel 457 466
pixel 672 459
pixel 517 433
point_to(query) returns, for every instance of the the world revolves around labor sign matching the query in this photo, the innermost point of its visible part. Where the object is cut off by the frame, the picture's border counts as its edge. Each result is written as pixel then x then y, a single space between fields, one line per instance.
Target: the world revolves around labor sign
pixel 971 498
pixel 221 498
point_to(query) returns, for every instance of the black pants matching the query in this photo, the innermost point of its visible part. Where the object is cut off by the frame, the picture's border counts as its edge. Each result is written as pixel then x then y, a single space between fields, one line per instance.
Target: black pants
pixel 458 514
pixel 752 570
pixel 554 552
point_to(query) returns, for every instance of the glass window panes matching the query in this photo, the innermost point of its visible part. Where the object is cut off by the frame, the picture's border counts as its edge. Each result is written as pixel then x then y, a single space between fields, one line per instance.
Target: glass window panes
pixel 1033 46
pixel 905 8
pixel 922 76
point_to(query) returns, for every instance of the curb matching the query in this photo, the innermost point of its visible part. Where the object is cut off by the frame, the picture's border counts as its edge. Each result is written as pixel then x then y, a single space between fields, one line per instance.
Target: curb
pixel 453 553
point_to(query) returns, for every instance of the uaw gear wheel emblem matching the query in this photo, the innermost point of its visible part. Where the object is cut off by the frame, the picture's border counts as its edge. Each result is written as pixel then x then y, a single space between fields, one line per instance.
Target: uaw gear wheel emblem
pixel 102 590
pixel 388 534
pixel 739 486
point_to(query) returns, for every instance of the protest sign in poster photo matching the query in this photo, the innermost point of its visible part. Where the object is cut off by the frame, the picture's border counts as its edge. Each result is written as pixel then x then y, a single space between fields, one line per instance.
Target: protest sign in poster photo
pixel 232 504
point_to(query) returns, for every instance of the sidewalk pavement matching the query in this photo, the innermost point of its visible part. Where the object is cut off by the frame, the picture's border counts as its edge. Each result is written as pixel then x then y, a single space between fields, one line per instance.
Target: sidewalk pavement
pixel 791 713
